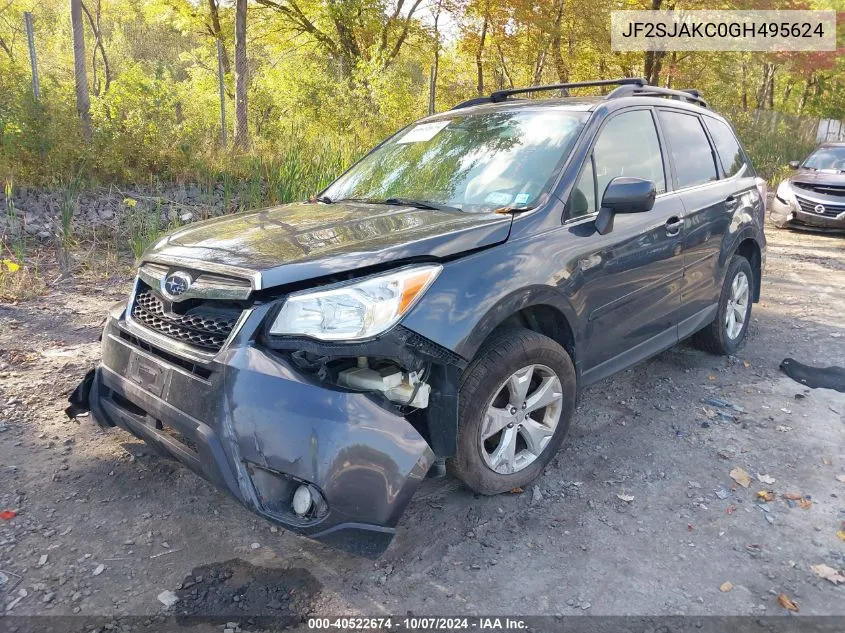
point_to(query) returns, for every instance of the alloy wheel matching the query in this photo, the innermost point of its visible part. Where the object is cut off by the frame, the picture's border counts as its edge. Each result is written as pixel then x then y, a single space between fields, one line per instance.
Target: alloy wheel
pixel 521 419
pixel 737 309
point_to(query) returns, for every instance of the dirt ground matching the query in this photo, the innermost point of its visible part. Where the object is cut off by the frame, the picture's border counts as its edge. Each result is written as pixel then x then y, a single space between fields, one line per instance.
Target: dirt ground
pixel 636 515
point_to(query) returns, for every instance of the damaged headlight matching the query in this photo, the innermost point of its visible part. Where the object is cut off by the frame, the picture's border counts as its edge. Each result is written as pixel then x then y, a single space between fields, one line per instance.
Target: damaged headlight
pixel 358 310
pixel 785 194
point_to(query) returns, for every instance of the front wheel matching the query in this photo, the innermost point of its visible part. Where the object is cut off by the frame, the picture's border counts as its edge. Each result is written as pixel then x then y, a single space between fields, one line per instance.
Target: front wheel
pixel 515 405
pixel 727 331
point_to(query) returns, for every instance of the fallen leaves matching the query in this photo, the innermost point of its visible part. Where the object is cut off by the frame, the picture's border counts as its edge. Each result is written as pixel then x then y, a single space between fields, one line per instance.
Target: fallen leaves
pixel 828 573
pixel 805 504
pixel 725 587
pixel 766 495
pixel 740 476
pixel 9 265
pixel 786 603
pixel 792 496
pixel 516 491
pixel 841 534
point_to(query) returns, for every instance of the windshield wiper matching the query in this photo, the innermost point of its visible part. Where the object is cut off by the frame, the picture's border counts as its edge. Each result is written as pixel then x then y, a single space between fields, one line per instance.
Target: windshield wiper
pixel 418 204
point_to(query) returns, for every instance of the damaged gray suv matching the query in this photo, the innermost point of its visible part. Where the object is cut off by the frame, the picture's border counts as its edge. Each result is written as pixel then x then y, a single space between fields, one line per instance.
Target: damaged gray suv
pixel 440 304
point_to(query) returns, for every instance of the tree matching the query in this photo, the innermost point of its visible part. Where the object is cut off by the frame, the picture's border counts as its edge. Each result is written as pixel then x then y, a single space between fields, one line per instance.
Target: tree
pixel 479 54
pixel 241 131
pixel 217 32
pixel 83 101
pixel 350 31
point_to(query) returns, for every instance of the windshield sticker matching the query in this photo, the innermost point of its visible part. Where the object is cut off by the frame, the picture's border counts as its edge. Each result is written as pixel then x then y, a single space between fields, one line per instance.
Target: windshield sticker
pixel 423 132
pixel 499 198
pixel 522 198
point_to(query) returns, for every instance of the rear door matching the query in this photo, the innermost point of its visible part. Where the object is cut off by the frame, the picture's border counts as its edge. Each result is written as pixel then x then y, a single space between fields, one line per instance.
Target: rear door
pixel 711 185
pixel 629 286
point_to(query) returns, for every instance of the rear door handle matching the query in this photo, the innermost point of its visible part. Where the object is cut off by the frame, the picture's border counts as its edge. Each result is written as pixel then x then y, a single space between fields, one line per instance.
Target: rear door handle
pixel 731 203
pixel 674 225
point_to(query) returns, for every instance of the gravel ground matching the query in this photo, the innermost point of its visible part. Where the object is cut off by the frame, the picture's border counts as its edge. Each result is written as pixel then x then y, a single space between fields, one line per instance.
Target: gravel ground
pixel 637 515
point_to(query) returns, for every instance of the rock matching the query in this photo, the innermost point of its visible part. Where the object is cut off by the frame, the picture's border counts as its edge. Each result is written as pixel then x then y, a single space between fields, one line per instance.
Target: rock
pixel 99 569
pixel 168 598
pixel 536 495
pixel 255 545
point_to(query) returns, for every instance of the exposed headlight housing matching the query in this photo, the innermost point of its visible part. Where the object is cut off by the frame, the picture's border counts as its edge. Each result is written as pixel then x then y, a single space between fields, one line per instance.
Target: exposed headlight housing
pixel 785 194
pixel 354 311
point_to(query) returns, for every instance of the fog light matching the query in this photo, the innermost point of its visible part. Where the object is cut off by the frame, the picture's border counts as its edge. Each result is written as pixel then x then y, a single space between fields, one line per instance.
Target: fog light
pixel 302 501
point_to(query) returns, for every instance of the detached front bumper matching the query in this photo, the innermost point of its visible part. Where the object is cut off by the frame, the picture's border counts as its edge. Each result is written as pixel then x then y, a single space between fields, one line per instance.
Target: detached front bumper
pixel 253 425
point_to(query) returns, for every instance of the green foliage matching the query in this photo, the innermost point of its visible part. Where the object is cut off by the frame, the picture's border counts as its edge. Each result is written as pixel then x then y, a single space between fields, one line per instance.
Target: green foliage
pixel 328 81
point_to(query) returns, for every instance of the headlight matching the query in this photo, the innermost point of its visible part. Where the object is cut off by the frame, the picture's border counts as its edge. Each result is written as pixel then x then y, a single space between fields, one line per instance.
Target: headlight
pixel 784 193
pixel 357 310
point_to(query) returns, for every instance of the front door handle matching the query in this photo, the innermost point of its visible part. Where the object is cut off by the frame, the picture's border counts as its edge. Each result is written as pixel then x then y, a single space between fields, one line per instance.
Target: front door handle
pixel 674 225
pixel 731 203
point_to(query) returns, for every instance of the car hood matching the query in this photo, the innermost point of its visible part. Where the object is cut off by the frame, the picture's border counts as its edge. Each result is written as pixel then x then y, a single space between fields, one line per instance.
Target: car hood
pixel 300 241
pixel 821 177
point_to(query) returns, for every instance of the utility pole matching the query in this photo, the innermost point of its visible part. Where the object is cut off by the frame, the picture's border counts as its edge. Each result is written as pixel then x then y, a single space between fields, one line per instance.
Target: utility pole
pixel 30 36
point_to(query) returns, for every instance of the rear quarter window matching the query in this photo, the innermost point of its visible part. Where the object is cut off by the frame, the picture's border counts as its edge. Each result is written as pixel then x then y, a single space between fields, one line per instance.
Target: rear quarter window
pixel 730 152
pixel 689 147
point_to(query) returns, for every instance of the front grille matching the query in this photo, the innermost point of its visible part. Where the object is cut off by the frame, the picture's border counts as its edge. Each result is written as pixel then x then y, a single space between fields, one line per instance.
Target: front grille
pixel 830 210
pixel 204 325
pixel 826 190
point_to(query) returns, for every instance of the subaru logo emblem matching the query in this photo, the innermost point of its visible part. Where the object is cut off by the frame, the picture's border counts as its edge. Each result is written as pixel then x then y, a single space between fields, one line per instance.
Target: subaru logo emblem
pixel 819 208
pixel 176 284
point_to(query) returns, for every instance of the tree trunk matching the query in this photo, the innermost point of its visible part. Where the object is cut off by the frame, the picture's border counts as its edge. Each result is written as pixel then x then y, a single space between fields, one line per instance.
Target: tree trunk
pixel 479 65
pixel 767 84
pixel 241 130
pixel 557 43
pixel 805 95
pixel 83 102
pixel 98 46
pixel 435 67
pixel 217 31
pixel 744 86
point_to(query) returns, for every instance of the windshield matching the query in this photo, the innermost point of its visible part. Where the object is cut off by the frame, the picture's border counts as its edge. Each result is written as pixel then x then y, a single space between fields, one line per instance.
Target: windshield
pixel 475 163
pixel 832 158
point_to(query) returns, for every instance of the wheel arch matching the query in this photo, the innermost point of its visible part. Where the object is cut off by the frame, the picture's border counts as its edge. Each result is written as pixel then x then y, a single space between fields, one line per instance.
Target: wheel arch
pixel 750 249
pixel 540 309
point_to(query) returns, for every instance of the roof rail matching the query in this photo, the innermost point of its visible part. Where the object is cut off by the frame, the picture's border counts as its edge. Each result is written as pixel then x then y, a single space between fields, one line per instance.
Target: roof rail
pixel 625 87
pixel 690 95
pixel 501 95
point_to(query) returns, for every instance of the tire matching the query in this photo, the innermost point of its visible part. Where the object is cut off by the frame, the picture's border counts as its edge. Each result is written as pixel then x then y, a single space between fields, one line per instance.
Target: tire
pixel 716 337
pixel 483 464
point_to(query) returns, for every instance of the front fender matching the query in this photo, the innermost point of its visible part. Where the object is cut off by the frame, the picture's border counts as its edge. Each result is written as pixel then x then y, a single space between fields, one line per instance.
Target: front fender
pixel 475 295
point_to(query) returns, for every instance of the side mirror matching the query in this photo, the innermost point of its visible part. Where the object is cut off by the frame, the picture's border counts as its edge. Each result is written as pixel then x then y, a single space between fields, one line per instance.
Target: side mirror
pixel 794 164
pixel 624 195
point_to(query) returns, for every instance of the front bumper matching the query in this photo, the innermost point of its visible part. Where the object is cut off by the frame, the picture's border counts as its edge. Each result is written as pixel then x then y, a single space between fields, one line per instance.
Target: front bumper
pixel 250 423
pixel 785 214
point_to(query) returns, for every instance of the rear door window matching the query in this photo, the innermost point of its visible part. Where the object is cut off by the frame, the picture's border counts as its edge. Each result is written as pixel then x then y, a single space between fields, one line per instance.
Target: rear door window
pixel 727 146
pixel 691 153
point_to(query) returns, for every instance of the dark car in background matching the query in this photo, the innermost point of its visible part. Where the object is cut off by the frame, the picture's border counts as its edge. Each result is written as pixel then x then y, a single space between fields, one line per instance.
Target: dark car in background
pixel 813 197
pixel 441 303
